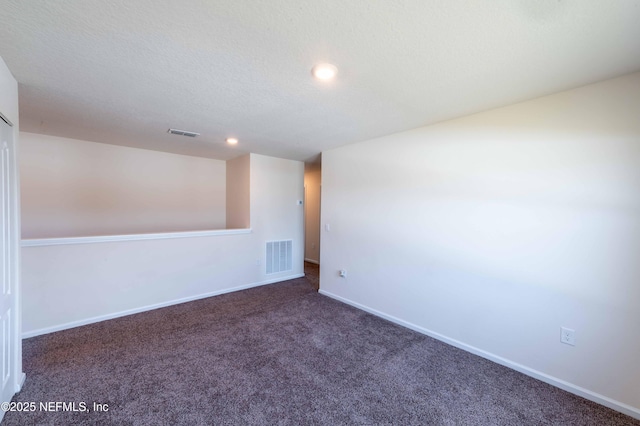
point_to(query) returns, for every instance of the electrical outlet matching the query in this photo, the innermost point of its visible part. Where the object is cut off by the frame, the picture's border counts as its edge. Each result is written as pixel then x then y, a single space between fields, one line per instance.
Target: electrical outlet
pixel 568 336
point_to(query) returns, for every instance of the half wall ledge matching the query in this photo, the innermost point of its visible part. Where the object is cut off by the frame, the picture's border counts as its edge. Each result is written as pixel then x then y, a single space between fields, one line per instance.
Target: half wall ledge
pixel 36 242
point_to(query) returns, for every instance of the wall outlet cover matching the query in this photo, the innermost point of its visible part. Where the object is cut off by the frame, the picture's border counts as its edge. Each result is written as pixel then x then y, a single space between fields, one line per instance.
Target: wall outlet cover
pixel 568 336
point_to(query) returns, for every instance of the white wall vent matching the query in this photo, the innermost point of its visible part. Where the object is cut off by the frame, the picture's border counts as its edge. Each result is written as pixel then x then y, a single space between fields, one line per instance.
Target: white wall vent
pixel 279 256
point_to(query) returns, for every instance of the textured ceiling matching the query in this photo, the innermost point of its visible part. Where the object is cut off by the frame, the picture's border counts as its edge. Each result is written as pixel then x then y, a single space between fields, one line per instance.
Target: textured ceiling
pixel 123 72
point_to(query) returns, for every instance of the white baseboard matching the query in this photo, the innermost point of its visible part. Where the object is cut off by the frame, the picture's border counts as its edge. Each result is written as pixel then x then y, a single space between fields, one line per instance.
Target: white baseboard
pixel 20 382
pixel 569 387
pixel 17 387
pixel 119 314
pixel 311 261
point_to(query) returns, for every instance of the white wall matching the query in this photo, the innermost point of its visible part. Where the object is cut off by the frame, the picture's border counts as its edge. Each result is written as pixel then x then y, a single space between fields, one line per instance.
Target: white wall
pixel 8 95
pixel 238 192
pixel 312 184
pixel 68 285
pixel 494 230
pixel 76 188
pixel 277 185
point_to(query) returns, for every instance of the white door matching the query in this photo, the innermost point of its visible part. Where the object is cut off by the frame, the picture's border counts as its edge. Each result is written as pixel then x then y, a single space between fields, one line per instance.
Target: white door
pixel 7 299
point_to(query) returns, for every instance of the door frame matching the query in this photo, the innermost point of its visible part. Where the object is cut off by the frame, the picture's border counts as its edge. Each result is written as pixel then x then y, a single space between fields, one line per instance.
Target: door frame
pixel 17 375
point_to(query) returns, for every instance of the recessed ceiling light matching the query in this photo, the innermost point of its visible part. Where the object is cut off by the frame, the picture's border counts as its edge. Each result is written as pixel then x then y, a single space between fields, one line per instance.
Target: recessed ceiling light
pixel 232 141
pixel 324 71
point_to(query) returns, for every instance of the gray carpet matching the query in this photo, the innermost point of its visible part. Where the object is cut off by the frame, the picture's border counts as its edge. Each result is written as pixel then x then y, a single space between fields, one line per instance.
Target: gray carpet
pixel 279 354
pixel 312 274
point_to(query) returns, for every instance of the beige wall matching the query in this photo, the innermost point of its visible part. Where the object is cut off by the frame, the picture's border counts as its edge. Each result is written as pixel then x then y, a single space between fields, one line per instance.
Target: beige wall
pixel 238 192
pixel 67 284
pixel 312 183
pixel 76 188
pixel 494 230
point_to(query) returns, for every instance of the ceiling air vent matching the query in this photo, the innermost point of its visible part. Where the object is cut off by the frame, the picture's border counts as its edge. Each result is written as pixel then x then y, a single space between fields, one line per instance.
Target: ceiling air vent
pixel 183 133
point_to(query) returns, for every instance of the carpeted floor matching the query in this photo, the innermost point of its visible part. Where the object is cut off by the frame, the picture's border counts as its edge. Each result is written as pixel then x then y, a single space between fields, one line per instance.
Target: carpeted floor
pixel 279 354
pixel 312 274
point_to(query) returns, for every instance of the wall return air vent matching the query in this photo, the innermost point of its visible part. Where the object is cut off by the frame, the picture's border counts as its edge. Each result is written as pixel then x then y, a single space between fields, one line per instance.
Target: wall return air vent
pixel 279 256
pixel 183 133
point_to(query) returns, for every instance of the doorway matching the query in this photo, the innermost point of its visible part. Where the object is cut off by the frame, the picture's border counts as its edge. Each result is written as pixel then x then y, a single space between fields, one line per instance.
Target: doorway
pixel 312 199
